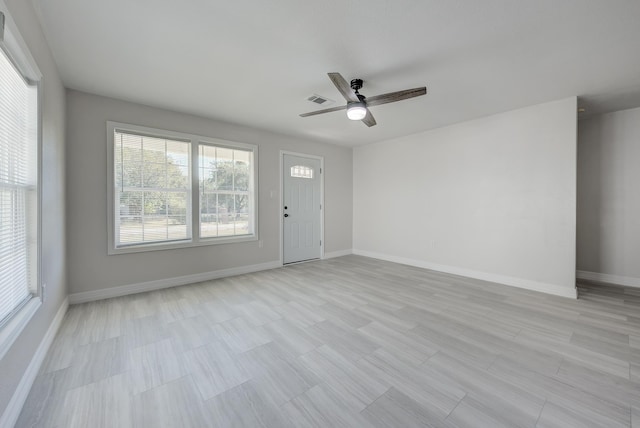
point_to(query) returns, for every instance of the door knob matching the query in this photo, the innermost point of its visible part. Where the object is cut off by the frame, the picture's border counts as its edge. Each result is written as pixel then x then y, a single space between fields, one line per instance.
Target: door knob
pixel 286 215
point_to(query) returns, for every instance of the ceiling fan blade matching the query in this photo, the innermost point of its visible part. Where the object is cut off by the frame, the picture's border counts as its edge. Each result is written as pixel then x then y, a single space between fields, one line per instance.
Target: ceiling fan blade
pixel 327 110
pixel 392 97
pixel 343 87
pixel 369 120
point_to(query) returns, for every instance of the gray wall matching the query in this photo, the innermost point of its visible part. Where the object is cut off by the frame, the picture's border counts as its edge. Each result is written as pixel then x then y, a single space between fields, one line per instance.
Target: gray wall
pixel 90 268
pixel 609 196
pixel 493 198
pixel 13 365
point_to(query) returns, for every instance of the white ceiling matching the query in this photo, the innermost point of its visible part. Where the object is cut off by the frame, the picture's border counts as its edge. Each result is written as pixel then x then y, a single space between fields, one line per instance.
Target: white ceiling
pixel 254 62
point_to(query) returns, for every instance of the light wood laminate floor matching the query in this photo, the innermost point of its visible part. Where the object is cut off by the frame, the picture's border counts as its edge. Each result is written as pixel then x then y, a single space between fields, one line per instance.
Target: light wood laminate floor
pixel 346 342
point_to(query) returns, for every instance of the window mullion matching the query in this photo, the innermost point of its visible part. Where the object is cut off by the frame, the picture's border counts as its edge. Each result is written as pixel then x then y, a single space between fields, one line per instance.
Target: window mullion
pixel 166 193
pixel 142 187
pixel 194 227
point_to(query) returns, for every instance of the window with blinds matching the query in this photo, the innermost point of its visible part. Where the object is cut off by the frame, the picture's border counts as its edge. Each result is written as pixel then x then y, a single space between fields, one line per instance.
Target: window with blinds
pixel 18 189
pixel 152 189
pixel 226 189
pixel 170 190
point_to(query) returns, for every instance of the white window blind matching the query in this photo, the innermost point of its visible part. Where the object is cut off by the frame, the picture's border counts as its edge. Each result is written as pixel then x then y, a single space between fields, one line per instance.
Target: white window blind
pixel 226 191
pixel 152 189
pixel 18 189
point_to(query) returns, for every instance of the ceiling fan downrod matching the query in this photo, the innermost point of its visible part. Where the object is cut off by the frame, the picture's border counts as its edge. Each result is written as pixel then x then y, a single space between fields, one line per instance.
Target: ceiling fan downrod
pixel 356 84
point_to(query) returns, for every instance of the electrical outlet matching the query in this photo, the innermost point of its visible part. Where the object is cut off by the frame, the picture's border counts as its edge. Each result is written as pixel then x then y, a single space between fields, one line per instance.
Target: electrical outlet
pixel 44 291
pixel 260 243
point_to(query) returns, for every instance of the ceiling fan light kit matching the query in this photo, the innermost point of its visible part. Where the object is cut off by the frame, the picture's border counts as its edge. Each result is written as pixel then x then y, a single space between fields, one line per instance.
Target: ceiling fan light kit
pixel 358 105
pixel 356 111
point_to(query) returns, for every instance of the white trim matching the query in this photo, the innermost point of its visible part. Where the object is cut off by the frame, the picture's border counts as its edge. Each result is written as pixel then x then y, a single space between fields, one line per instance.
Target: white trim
pixel 322 173
pixel 141 287
pixel 340 253
pixel 12 412
pixel 280 210
pixel 543 287
pixel 628 281
pixel 173 245
pixel 17 49
pixel 11 331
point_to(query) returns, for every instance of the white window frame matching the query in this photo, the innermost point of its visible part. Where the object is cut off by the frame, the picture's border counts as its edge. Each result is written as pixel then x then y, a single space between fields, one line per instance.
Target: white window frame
pixel 12 43
pixel 195 140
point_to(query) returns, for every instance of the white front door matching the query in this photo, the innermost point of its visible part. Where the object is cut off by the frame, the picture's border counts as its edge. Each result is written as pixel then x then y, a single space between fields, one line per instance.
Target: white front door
pixel 302 211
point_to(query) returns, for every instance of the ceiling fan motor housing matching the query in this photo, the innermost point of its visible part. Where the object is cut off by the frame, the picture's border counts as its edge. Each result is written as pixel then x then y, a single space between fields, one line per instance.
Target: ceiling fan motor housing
pixel 356 84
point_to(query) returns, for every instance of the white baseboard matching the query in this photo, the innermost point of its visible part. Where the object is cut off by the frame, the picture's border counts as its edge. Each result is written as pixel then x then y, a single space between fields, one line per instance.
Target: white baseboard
pixel 485 276
pixel 628 281
pixel 141 287
pixel 12 412
pixel 340 253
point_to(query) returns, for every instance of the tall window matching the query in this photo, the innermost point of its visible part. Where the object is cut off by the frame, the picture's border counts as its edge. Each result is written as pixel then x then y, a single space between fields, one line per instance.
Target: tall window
pixel 226 202
pixel 152 189
pixel 18 189
pixel 172 190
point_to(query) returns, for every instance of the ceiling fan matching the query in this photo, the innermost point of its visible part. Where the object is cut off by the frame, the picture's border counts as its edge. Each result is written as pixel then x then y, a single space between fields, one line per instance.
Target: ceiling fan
pixel 358 105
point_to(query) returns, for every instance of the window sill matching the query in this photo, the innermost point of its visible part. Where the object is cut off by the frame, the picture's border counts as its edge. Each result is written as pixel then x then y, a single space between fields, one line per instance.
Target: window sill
pixel 11 331
pixel 203 242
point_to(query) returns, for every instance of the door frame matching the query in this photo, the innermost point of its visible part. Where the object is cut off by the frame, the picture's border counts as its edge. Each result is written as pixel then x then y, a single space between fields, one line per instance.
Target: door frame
pixel 281 209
